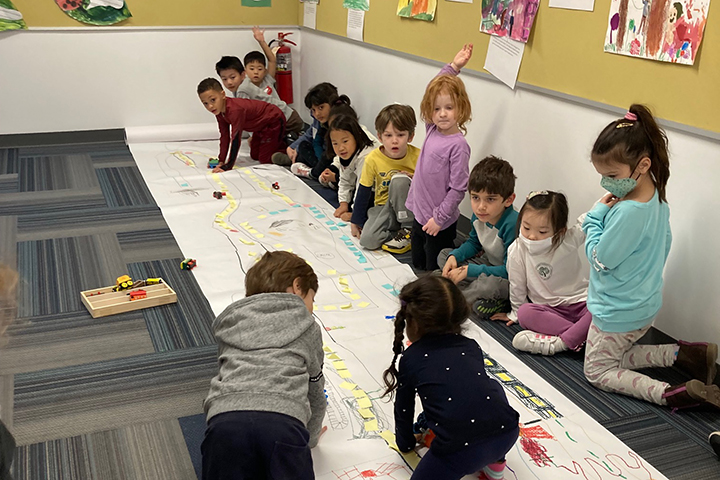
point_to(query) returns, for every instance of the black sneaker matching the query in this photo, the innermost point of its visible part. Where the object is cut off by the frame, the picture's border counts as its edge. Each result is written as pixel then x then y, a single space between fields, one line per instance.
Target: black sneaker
pixel 714 440
pixel 487 307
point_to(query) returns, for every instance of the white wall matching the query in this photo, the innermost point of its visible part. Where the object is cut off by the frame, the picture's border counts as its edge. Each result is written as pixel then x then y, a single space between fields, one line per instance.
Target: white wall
pixel 93 79
pixel 548 141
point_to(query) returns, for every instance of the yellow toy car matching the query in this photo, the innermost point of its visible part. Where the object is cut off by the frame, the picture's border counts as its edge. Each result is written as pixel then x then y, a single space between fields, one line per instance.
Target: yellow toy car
pixel 123 283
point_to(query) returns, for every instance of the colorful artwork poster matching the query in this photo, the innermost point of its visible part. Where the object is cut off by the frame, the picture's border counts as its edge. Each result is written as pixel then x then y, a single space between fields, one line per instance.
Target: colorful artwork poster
pixel 664 30
pixel 509 18
pixel 95 12
pixel 357 4
pixel 10 18
pixel 256 3
pixel 417 9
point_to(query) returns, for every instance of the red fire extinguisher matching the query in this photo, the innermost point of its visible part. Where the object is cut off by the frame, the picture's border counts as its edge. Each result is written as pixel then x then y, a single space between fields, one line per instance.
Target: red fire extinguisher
pixel 283 76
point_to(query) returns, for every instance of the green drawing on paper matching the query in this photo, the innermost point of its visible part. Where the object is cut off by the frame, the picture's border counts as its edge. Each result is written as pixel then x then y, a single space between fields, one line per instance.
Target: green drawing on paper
pixel 95 12
pixel 417 9
pixel 256 3
pixel 357 4
pixel 10 18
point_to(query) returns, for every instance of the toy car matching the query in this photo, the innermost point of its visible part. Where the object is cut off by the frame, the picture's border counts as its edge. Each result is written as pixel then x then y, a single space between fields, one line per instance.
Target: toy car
pixel 123 283
pixel 137 294
pixel 213 162
pixel 188 264
pixel 218 195
pixel 153 281
pixel 276 186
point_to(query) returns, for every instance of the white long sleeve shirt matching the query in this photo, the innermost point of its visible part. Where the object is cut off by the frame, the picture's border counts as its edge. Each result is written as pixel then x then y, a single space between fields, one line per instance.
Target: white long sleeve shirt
pixel 557 277
pixel 350 175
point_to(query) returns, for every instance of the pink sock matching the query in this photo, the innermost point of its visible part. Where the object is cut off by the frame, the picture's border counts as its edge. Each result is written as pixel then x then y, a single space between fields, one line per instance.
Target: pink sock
pixel 495 471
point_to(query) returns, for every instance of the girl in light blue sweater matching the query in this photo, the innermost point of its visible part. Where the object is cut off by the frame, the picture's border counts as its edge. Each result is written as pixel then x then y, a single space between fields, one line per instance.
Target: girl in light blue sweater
pixel 627 242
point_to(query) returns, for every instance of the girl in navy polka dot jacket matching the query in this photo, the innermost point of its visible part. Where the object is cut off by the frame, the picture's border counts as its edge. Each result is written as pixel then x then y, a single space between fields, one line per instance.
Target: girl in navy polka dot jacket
pixel 473 423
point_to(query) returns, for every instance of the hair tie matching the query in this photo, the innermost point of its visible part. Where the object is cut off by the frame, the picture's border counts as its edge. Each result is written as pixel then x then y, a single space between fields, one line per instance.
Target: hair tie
pixel 630 116
pixel 535 194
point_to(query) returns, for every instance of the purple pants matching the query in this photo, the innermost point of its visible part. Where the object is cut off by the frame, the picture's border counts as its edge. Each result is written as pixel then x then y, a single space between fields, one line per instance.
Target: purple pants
pixel 570 322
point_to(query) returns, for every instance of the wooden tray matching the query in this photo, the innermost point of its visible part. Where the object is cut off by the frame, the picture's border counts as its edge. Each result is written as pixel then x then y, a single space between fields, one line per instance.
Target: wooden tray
pixel 101 302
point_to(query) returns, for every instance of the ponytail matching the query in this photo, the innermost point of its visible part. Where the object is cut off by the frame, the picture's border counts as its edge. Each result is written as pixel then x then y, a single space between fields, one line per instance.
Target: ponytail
pixel 629 139
pixel 660 167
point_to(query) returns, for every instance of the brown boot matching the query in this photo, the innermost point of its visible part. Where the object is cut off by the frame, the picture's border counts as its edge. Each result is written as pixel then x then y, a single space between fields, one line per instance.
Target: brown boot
pixel 698 359
pixel 692 394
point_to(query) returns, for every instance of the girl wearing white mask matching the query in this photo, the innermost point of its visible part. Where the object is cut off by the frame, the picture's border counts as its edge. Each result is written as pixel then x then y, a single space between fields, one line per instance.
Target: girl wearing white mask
pixel 548 278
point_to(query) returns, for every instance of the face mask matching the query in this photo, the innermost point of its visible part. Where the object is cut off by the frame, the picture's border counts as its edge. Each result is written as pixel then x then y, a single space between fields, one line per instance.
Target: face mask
pixel 537 247
pixel 620 187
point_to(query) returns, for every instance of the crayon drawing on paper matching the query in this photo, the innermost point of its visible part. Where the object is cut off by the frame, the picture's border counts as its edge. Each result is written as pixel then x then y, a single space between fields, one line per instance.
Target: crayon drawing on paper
pixel 509 18
pixel 664 30
pixel 417 9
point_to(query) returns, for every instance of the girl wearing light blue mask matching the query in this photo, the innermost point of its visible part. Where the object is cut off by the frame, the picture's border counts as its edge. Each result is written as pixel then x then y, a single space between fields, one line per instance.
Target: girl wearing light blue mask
pixel 628 240
pixel 548 278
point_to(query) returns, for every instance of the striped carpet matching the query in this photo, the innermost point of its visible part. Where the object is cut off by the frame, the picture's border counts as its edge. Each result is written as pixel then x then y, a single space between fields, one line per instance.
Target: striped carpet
pixel 120 397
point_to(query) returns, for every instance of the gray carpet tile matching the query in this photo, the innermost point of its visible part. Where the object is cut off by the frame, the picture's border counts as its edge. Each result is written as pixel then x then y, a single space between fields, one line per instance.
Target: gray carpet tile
pixel 74 400
pixel 124 187
pixel 8 240
pixel 54 271
pixel 146 245
pixel 9 161
pixel 185 324
pixel 9 183
pixel 57 172
pixel 128 453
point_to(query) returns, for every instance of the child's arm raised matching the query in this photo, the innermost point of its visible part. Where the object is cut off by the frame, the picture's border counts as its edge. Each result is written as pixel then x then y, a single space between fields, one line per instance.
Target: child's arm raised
pixel 462 57
pixel 259 36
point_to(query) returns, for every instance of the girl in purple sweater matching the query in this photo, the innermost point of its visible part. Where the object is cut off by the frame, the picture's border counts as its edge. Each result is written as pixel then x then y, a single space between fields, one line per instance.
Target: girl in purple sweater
pixel 442 171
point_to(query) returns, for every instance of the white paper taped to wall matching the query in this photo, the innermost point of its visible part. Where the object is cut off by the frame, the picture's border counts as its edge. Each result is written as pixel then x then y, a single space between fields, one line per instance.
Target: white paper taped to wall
pixel 172 133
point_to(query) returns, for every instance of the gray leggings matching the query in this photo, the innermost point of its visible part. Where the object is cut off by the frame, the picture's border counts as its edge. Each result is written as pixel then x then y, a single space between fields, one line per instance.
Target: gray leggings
pixel 385 220
pixel 484 286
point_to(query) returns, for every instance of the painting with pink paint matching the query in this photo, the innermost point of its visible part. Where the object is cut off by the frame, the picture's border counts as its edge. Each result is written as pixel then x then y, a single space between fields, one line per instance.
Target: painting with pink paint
pixel 509 18
pixel 664 30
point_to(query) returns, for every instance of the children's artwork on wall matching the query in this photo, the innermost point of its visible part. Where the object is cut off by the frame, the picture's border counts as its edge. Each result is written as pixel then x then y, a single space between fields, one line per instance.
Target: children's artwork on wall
pixel 664 30
pixel 95 12
pixel 417 9
pixel 357 4
pixel 256 3
pixel 509 18
pixel 10 18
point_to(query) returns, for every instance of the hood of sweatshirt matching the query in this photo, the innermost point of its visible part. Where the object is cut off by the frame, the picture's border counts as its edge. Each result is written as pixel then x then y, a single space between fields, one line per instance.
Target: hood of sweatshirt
pixel 267 320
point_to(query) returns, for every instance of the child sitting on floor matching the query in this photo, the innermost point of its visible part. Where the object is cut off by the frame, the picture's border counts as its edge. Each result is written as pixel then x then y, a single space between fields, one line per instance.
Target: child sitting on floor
pixel 259 83
pixel 265 121
pixel 478 265
pixel 628 241
pixel 266 404
pixel 308 150
pixel 545 265
pixel 388 170
pixel 468 412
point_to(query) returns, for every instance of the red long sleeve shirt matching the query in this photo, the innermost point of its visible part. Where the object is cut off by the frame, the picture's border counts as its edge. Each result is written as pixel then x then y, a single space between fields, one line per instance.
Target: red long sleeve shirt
pixel 242 114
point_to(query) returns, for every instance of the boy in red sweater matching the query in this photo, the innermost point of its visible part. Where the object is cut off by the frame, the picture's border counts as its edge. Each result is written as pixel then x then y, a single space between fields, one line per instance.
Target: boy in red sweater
pixel 265 121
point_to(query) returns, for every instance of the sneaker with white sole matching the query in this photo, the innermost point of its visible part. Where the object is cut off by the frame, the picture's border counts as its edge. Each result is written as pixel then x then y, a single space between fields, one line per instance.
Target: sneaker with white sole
pixel 282 159
pixel 533 342
pixel 487 307
pixel 300 169
pixel 400 243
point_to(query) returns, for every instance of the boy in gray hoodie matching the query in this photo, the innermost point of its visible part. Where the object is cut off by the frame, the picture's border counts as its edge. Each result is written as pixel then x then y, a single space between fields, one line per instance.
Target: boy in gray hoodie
pixel 267 403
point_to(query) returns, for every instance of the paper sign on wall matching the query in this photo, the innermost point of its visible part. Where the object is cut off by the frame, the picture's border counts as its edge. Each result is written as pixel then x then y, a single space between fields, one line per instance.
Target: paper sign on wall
pixel 587 5
pixel 503 59
pixel 355 24
pixel 310 15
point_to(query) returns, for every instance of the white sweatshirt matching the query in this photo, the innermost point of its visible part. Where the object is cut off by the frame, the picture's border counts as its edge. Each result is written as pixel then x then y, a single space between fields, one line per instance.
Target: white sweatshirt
pixel 556 277
pixel 350 175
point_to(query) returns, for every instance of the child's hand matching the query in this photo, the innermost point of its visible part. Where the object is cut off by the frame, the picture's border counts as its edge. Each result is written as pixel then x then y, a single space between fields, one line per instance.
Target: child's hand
pixel 458 275
pixel 502 317
pixel 463 57
pixel 218 169
pixel 450 264
pixel 343 208
pixel 328 176
pixel 609 200
pixel 355 230
pixel 346 217
pixel 292 153
pixel 258 34
pixel 431 228
pixel 406 173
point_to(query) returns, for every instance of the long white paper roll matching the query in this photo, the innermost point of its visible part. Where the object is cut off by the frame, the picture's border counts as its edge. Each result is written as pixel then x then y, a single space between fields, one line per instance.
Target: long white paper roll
pixel 172 133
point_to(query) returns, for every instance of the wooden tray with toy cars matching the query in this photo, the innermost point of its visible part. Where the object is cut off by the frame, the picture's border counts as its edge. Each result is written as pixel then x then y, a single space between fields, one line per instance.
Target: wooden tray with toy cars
pixel 126 296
